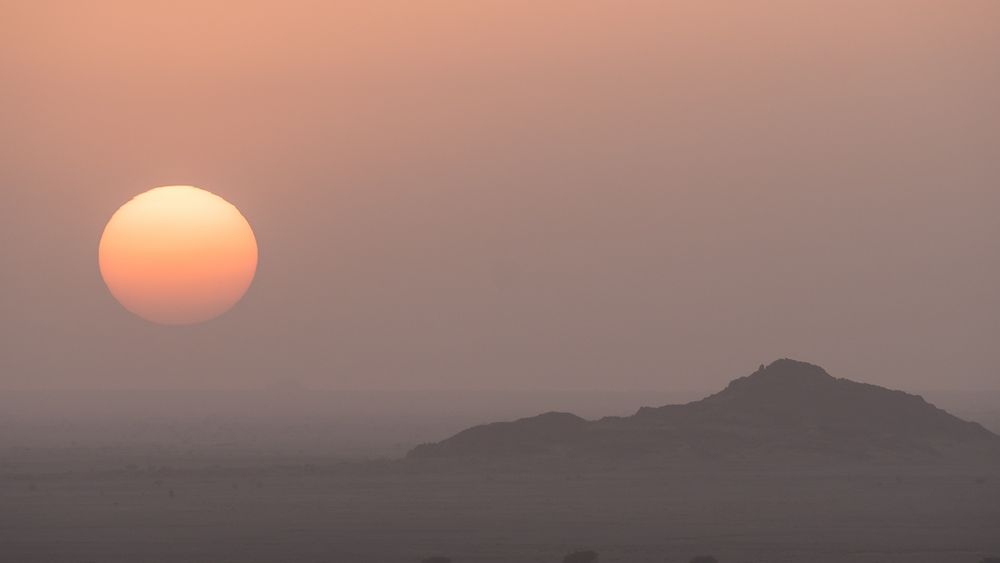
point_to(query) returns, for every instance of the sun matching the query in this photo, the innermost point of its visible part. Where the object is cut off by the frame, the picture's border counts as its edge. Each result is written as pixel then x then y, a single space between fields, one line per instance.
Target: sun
pixel 178 255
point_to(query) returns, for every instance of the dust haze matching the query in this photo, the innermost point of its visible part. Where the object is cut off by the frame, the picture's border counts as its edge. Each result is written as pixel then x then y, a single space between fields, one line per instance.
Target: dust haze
pixel 490 234
pixel 513 195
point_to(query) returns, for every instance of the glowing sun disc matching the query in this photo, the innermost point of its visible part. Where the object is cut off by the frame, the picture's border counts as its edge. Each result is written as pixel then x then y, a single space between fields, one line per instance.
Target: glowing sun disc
pixel 178 255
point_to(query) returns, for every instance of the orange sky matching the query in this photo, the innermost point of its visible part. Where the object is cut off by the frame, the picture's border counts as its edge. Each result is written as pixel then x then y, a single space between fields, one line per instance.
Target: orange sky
pixel 514 194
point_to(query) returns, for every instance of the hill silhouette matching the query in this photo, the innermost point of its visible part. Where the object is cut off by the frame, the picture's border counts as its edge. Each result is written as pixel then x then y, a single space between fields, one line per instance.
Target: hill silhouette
pixel 786 410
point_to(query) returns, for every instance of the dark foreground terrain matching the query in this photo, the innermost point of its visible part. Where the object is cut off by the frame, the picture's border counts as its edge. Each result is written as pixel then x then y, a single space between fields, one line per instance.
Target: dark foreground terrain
pixel 788 464
pixel 78 506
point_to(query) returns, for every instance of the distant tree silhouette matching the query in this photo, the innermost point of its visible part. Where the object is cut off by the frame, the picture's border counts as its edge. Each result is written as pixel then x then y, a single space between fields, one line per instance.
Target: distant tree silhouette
pixel 704 559
pixel 581 557
pixel 436 559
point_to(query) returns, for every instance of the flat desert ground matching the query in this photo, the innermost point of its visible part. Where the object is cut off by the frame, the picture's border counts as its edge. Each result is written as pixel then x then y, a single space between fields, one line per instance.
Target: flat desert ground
pixel 67 505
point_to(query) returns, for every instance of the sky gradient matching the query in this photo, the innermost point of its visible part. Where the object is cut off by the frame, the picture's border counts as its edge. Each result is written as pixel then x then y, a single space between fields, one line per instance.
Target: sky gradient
pixel 514 195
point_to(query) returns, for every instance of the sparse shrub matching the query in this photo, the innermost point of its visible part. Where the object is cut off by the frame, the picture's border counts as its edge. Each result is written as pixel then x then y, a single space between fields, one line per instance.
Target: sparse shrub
pixel 704 559
pixel 436 559
pixel 581 557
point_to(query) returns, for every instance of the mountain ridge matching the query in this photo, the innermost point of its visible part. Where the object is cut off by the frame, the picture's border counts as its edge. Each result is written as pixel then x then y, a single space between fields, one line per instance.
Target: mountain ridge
pixel 786 410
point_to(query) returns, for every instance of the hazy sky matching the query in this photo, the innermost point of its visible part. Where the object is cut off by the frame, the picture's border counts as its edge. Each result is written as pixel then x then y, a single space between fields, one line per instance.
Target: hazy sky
pixel 479 195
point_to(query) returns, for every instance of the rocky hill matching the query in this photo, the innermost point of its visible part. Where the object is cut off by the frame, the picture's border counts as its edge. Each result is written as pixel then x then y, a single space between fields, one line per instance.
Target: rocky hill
pixel 788 410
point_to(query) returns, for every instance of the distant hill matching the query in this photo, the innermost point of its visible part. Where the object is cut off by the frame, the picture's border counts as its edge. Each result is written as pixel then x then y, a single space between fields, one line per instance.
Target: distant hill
pixel 789 410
